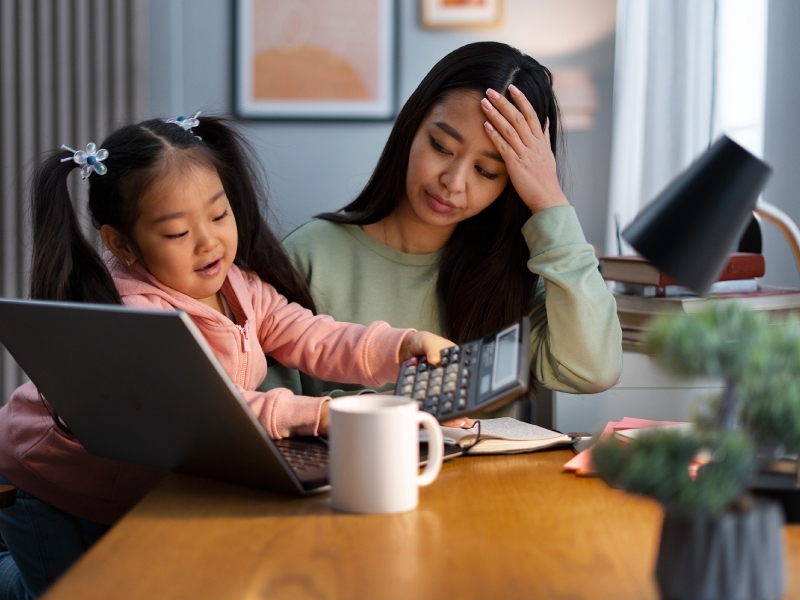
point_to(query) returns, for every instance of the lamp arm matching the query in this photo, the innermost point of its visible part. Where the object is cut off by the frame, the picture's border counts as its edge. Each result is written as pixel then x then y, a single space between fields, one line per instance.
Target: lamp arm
pixel 782 221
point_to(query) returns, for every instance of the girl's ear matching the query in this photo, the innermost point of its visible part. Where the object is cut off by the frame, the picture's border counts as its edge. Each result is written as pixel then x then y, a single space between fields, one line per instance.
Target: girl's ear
pixel 118 244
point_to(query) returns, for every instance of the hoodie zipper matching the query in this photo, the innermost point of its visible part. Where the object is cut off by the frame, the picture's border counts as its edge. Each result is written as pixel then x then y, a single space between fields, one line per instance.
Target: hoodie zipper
pixel 245 351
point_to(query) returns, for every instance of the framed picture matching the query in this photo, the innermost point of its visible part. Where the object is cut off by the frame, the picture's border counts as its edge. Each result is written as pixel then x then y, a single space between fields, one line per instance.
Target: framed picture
pixel 315 59
pixel 461 13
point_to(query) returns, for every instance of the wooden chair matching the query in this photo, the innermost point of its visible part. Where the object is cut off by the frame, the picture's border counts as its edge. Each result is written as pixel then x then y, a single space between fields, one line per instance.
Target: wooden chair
pixel 8 496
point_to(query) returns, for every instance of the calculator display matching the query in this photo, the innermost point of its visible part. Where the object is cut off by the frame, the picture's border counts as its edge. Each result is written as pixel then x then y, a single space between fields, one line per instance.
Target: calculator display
pixel 505 360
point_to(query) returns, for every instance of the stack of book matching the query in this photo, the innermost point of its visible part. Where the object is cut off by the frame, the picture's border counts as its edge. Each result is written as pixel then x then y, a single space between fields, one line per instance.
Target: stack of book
pixel 643 291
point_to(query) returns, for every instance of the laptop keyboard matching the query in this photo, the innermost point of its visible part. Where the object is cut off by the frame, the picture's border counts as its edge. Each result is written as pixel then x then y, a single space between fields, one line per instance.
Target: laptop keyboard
pixel 308 458
pixel 304 459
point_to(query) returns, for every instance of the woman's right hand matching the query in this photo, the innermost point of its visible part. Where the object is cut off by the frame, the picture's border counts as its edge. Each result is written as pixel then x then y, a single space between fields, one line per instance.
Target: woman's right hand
pixel 525 148
pixel 461 423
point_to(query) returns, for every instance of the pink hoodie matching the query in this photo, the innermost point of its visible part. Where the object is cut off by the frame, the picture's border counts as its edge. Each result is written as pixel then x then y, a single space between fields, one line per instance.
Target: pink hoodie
pixel 44 461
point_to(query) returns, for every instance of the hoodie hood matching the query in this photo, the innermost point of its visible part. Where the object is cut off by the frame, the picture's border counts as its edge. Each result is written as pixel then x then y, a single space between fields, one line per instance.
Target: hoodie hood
pixel 136 280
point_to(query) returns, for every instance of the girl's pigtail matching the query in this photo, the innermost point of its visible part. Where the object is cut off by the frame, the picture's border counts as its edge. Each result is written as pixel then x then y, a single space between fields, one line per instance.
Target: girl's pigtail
pixel 259 249
pixel 65 266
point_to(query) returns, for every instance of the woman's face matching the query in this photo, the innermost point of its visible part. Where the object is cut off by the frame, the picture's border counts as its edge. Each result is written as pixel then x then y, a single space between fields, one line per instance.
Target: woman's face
pixel 454 169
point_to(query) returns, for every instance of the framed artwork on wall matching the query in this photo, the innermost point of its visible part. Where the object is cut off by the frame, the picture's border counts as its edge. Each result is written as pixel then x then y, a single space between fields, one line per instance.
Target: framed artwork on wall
pixel 461 13
pixel 315 59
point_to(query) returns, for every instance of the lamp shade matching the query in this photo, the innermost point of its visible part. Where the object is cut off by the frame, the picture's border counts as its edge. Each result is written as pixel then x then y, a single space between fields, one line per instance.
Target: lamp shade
pixel 690 228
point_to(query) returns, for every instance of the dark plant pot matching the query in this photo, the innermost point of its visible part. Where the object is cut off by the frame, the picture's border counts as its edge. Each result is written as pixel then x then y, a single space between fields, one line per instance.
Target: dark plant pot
pixel 737 555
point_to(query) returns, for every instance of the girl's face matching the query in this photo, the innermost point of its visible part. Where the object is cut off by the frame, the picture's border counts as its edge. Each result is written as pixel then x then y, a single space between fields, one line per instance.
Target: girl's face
pixel 186 233
pixel 454 169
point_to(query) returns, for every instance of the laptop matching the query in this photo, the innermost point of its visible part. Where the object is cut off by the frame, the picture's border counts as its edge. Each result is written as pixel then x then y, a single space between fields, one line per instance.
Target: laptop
pixel 160 398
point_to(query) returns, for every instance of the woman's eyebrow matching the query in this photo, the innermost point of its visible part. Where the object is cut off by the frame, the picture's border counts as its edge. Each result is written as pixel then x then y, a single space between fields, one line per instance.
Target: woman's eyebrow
pixel 449 130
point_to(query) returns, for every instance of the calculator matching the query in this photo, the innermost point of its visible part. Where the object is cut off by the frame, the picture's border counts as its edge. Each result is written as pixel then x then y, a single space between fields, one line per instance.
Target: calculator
pixel 472 377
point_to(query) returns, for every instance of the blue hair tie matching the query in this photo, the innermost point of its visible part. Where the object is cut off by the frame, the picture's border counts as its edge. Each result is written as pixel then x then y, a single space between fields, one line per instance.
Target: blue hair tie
pixel 187 124
pixel 91 160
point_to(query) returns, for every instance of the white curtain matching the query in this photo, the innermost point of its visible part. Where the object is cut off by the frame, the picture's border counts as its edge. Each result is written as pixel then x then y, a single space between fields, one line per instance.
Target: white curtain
pixel 686 71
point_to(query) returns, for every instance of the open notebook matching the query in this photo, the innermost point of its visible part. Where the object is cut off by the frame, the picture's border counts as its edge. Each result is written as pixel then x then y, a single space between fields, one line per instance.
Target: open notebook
pixel 505 436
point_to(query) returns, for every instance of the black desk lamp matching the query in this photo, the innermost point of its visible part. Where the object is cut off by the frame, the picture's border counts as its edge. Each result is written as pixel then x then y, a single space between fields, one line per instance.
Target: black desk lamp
pixel 690 228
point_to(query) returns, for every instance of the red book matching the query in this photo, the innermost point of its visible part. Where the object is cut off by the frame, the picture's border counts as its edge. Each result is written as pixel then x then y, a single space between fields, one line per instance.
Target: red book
pixel 636 269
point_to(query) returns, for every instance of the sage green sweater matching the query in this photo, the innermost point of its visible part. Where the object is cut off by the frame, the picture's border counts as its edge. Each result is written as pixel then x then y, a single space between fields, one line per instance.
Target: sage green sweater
pixel 576 341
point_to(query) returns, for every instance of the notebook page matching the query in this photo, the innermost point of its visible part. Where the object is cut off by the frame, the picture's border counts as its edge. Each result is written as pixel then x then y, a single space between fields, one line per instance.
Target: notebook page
pixel 511 429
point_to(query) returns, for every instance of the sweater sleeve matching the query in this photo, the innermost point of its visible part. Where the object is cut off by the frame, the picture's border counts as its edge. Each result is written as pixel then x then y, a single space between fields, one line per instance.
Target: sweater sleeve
pixel 282 413
pixel 324 348
pixel 576 339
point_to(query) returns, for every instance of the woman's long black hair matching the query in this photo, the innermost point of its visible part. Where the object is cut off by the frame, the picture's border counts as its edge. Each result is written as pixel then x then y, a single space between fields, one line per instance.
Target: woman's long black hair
pixel 66 267
pixel 483 282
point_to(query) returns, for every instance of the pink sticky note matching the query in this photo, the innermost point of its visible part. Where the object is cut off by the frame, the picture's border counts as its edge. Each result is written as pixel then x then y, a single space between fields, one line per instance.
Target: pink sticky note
pixel 581 463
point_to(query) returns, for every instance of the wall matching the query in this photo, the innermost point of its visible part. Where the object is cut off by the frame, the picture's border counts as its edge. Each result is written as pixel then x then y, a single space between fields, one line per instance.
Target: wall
pixel 782 135
pixel 313 167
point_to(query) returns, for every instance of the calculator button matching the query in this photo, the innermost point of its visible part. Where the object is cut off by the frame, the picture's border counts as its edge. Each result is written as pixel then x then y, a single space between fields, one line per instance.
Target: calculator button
pixel 450 386
pixel 437 372
pixel 450 377
pixel 419 395
pixel 434 390
pixel 462 403
pixel 451 369
pixel 423 376
pixel 407 389
pixel 408 379
pixel 422 367
pixel 412 361
pixel 421 405
pixel 462 393
pixel 447 407
pixel 411 369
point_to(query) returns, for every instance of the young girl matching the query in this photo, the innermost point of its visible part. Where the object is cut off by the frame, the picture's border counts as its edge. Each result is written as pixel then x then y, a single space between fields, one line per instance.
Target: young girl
pixel 178 209
pixel 463 227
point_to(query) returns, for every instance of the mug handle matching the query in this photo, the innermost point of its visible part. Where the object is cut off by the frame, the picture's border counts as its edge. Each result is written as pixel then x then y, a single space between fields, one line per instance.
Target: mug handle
pixel 435 448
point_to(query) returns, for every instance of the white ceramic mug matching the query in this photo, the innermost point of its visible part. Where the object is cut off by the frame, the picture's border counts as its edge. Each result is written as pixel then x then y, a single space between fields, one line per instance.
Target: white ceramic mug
pixel 374 453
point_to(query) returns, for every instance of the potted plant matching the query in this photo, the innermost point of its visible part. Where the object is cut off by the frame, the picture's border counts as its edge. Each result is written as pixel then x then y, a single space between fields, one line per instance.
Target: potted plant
pixel 718 540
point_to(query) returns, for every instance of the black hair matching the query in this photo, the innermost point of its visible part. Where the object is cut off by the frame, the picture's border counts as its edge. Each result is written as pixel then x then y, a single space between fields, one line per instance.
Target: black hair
pixel 483 281
pixel 65 265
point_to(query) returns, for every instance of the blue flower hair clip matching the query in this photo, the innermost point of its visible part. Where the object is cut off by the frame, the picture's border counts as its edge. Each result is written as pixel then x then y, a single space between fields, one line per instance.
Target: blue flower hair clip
pixel 90 160
pixel 187 124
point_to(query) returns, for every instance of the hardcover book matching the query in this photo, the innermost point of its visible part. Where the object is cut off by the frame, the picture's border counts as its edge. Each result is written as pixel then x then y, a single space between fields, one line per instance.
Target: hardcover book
pixel 636 269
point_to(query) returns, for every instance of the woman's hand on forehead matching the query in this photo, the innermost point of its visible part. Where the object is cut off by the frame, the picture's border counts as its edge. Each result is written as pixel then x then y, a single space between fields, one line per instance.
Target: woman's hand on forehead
pixel 525 148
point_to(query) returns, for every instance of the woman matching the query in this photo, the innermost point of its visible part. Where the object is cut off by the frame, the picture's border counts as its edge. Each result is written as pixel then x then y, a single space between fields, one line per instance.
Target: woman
pixel 463 227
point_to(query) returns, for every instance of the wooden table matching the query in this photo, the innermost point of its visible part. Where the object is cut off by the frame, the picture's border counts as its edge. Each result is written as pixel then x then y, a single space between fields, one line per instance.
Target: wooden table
pixel 489 527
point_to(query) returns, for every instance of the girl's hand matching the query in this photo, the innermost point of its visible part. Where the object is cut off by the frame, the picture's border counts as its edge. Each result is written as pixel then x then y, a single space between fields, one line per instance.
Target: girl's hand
pixel 324 418
pixel 423 343
pixel 525 148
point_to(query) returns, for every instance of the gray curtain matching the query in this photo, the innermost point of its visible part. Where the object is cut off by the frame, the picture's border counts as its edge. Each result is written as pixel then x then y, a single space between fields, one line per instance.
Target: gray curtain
pixel 70 71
